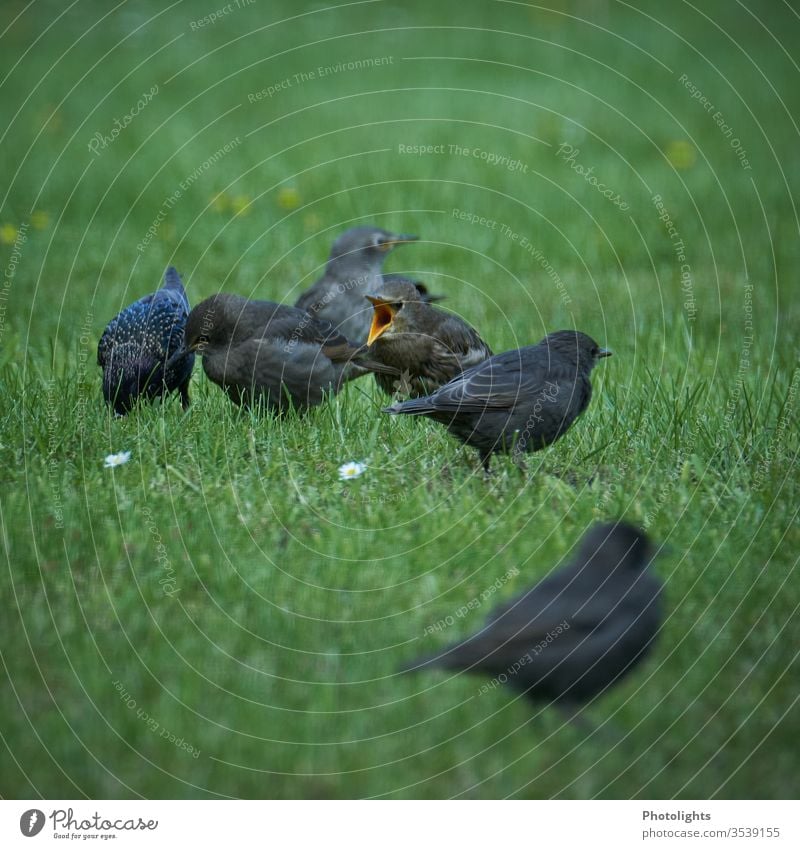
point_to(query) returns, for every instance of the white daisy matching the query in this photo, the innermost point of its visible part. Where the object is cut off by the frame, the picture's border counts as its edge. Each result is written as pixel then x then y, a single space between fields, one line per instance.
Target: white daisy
pixel 117 459
pixel 351 470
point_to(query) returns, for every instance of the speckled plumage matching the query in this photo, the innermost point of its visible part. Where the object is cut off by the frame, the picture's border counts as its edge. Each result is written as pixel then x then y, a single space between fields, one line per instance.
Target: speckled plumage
pixel 136 345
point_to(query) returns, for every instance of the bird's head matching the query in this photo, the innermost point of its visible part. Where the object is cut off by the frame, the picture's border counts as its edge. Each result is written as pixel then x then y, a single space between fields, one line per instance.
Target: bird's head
pixel 393 307
pixel 366 246
pixel 213 323
pixel 617 545
pixel 576 346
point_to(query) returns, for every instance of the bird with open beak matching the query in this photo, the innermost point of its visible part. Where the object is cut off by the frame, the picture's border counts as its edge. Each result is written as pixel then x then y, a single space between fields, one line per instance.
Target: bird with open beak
pixel 516 402
pixel 428 345
pixel 354 269
pixel 260 352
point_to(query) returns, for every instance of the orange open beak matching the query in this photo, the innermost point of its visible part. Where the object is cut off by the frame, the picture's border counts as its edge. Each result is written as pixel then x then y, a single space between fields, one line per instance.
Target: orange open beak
pixel 381 320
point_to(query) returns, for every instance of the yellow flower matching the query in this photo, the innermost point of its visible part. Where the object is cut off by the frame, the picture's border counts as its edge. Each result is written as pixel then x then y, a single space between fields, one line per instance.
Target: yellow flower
pixel 220 202
pixel 241 204
pixel 166 232
pixel 40 219
pixel 288 198
pixel 51 120
pixel 8 234
pixel 312 222
pixel 681 154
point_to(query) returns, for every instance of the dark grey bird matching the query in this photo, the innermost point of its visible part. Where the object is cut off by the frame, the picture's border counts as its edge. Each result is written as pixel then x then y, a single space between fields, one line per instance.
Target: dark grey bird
pixel 577 632
pixel 516 402
pixel 261 352
pixel 137 349
pixel 428 345
pixel 353 270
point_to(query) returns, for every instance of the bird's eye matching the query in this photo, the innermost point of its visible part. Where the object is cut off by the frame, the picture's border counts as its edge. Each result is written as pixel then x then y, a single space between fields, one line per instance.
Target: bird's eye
pixel 397 306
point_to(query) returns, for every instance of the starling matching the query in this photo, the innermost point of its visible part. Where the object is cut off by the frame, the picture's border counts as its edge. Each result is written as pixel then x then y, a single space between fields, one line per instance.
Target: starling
pixel 575 633
pixel 259 351
pixel 428 346
pixel 137 349
pixel 354 269
pixel 518 401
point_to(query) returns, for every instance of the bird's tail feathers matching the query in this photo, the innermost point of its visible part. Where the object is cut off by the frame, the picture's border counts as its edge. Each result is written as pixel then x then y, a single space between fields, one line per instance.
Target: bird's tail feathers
pixel 172 280
pixel 414 407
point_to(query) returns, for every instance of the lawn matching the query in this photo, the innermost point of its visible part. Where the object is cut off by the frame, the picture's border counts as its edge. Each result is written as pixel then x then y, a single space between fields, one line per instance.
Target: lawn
pixel 221 616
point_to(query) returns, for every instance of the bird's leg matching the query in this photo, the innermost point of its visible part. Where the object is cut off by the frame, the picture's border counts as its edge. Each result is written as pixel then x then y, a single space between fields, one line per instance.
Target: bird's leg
pixel 184 390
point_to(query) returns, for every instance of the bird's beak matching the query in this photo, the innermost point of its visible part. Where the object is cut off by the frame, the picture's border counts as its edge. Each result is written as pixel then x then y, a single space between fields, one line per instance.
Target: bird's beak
pixel 180 354
pixel 392 241
pixel 604 352
pixel 382 318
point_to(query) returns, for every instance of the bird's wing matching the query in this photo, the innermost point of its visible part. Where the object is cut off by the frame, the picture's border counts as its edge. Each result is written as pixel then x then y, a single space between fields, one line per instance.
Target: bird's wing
pixel 569 602
pixel 463 341
pixel 313 299
pixel 299 327
pixel 497 383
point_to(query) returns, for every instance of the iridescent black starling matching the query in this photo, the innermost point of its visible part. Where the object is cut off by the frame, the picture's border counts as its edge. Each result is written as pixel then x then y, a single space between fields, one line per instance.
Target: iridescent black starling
pixel 429 346
pixel 259 351
pixel 137 348
pixel 354 269
pixel 518 401
pixel 577 632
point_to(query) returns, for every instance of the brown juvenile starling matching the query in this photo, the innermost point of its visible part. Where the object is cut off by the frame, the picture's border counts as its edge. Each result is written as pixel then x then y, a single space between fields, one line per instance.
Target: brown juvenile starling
pixel 575 633
pixel 518 401
pixel 354 269
pixel 428 346
pixel 137 349
pixel 259 351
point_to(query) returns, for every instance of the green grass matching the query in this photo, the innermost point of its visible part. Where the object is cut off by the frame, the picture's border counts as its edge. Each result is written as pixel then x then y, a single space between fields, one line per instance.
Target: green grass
pixel 292 598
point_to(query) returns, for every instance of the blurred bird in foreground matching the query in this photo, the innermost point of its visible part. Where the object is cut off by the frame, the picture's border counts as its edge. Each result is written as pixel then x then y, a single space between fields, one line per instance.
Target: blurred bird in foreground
pixel 575 633
pixel 137 349
pixel 259 351
pixel 429 346
pixel 353 270
pixel 516 402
